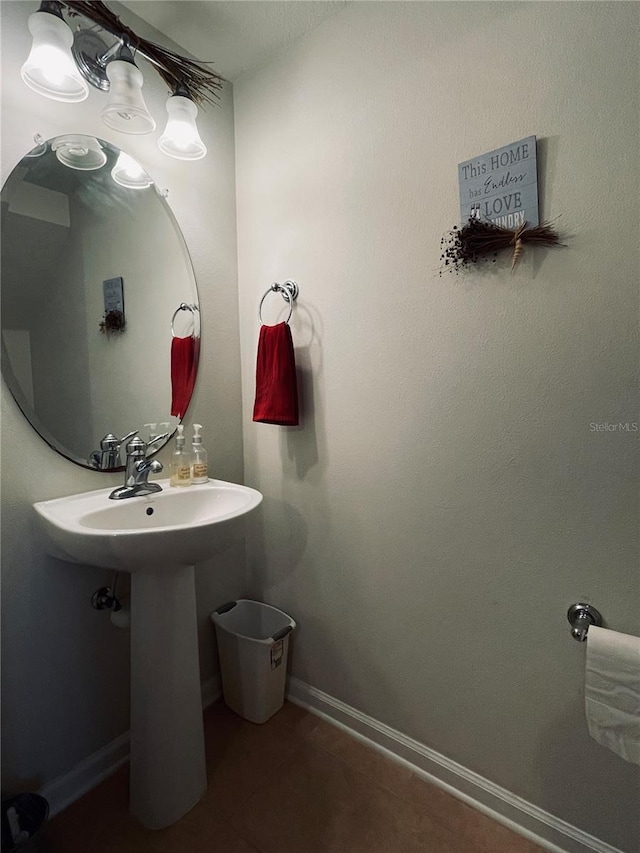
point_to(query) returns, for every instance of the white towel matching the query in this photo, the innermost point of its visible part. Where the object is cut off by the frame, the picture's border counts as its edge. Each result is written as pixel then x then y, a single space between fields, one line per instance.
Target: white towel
pixel 612 691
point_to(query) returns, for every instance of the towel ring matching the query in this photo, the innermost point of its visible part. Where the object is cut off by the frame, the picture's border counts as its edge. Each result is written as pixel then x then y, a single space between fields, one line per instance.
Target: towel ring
pixel 184 306
pixel 289 290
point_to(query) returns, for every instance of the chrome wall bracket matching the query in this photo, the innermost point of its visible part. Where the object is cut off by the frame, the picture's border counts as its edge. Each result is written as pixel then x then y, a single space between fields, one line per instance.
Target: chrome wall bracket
pixel 289 291
pixel 581 617
pixel 90 52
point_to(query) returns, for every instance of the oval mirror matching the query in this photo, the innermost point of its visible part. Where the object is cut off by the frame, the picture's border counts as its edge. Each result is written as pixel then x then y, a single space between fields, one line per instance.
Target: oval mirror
pixel 100 312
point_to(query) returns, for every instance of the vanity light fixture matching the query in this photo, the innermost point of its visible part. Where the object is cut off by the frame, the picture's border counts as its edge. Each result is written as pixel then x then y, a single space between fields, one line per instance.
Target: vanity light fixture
pixel 130 174
pixel 79 152
pixel 181 138
pixel 60 59
pixel 126 110
pixel 50 69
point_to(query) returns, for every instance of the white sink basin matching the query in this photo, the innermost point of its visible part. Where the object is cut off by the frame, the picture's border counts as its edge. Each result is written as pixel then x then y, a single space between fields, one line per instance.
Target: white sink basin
pixel 175 527
pixel 158 538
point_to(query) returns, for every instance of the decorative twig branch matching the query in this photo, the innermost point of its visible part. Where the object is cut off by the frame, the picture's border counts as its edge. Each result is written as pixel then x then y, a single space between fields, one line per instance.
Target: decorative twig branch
pixel 479 241
pixel 113 321
pixel 202 84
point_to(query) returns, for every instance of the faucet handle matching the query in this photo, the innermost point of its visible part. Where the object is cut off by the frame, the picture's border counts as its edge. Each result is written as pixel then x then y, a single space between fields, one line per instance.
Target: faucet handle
pixel 128 436
pixel 158 438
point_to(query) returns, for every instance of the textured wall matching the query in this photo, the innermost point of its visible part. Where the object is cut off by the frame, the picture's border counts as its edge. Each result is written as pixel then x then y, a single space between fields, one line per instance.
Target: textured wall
pixel 65 669
pixel 446 499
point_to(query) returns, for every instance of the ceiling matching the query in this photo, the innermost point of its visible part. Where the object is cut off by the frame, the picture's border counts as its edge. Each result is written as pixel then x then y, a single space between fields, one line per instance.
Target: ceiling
pixel 235 35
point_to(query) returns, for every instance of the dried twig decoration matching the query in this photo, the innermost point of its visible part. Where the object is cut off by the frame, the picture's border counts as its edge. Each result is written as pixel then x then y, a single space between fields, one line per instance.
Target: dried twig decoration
pixel 113 321
pixel 480 241
pixel 176 70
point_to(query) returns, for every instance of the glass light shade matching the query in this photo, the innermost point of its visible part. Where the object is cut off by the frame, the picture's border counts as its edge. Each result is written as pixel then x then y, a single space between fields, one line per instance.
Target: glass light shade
pixel 126 110
pixel 130 174
pixel 181 138
pixel 50 69
pixel 79 152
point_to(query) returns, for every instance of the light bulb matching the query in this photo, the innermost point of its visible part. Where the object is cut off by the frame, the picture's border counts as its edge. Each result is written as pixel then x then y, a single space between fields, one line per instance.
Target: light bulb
pixel 130 174
pixel 181 138
pixel 126 110
pixel 50 69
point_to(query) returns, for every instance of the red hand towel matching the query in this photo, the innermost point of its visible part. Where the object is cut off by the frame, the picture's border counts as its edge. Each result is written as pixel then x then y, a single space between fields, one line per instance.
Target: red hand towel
pixel 184 365
pixel 276 390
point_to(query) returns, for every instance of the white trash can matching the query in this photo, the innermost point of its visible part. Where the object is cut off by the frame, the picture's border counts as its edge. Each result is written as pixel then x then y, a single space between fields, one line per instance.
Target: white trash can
pixel 253 641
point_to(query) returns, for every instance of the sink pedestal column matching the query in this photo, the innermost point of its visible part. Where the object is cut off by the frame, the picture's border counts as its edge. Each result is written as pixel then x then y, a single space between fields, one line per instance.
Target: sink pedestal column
pixel 168 771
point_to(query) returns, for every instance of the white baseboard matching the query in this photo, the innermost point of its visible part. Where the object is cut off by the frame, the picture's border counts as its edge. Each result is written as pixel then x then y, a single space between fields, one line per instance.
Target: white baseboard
pixel 66 789
pixel 522 817
pixel 519 815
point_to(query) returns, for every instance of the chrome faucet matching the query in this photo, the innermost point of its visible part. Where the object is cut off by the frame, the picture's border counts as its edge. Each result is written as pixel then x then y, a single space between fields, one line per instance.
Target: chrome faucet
pixel 137 470
pixel 108 457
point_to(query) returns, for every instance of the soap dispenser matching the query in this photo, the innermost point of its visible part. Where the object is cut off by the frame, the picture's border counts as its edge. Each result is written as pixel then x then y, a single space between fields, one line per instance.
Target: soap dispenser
pixel 180 469
pixel 199 458
pixel 153 432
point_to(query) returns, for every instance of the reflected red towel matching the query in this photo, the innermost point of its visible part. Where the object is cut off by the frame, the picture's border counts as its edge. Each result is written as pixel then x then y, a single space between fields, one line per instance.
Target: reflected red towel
pixel 276 388
pixel 184 366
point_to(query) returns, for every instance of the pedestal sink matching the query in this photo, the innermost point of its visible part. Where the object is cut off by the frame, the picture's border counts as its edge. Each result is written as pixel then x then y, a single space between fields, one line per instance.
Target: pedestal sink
pixel 157 538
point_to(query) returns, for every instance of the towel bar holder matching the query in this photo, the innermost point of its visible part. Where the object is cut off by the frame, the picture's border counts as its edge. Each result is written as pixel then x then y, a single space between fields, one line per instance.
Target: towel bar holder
pixel 184 306
pixel 581 617
pixel 289 290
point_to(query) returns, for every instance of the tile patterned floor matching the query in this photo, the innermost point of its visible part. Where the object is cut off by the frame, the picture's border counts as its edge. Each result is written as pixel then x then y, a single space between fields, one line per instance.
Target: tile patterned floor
pixel 294 785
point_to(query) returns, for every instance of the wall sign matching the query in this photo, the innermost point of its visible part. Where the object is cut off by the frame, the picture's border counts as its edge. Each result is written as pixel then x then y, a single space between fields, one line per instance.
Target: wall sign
pixel 113 292
pixel 113 295
pixel 501 186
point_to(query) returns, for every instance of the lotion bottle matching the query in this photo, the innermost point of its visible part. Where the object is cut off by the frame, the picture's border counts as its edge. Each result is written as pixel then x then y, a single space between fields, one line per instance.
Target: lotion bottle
pixel 199 458
pixel 153 431
pixel 180 468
